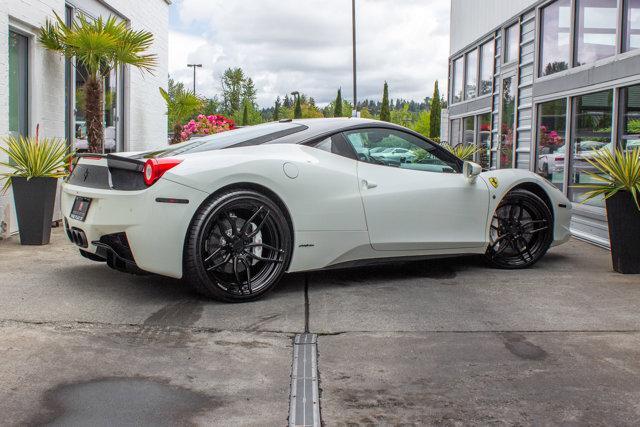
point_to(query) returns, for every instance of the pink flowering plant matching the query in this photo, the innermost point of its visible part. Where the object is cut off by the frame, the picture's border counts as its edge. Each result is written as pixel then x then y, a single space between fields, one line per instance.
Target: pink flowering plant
pixel 206 125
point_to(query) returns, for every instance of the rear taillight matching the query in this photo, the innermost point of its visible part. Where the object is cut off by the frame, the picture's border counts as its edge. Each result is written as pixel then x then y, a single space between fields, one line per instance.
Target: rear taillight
pixel 155 168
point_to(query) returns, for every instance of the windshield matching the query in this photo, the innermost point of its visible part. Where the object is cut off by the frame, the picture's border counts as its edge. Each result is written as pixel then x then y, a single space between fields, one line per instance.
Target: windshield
pixel 253 135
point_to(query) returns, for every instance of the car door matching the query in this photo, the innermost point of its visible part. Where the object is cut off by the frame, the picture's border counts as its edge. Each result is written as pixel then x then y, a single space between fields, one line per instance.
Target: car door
pixel 421 201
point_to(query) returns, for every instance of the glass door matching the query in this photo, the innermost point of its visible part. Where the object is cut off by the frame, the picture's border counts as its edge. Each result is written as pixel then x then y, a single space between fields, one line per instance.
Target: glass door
pixel 18 84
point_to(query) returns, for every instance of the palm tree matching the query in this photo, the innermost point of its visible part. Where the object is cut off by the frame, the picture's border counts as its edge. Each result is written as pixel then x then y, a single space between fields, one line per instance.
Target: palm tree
pixel 98 47
pixel 181 105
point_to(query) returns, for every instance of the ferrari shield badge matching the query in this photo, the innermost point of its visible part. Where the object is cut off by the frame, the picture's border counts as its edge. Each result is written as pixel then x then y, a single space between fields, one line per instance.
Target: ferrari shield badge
pixel 493 181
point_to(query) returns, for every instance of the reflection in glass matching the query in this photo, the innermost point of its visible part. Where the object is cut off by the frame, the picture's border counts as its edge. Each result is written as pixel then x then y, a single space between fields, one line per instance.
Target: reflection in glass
pixel 110 106
pixel 469 127
pixel 508 122
pixel 484 140
pixel 486 67
pixel 511 44
pixel 457 79
pixel 18 84
pixel 630 127
pixel 591 124
pixel 471 83
pixel 596 30
pixel 556 30
pixel 551 142
pixel 455 132
pixel 632 25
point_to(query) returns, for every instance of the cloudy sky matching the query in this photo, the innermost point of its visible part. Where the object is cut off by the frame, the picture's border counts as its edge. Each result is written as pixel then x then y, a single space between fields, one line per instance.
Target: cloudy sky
pixel 305 45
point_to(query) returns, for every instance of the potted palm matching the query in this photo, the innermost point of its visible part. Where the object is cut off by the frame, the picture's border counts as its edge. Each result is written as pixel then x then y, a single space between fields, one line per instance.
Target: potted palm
pixel 618 181
pixel 98 47
pixel 35 165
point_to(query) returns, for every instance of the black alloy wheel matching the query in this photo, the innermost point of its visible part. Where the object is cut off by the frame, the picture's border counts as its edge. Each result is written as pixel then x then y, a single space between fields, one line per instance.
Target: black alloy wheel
pixel 238 247
pixel 521 231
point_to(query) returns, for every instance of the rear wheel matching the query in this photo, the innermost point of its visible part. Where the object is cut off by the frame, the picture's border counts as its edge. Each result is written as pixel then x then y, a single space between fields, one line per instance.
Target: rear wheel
pixel 238 247
pixel 521 231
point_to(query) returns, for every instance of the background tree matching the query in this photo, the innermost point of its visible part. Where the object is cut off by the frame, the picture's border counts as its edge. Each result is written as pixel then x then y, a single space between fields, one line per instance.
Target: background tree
pixel 422 124
pixel 337 112
pixel 245 114
pixel 276 111
pixel 287 102
pixel 98 46
pixel 385 113
pixel 211 106
pixel 297 110
pixel 233 86
pixel 435 112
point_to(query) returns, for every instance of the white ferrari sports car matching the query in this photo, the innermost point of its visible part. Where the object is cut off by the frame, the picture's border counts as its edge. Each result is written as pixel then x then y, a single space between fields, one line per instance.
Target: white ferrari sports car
pixel 231 213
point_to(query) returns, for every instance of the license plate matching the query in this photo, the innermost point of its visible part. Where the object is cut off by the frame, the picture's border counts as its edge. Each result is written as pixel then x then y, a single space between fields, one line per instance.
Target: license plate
pixel 80 208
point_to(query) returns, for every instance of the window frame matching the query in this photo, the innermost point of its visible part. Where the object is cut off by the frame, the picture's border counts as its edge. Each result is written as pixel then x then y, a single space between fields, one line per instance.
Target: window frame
pixel 465 92
pixel 489 42
pixel 453 79
pixel 440 152
pixel 540 38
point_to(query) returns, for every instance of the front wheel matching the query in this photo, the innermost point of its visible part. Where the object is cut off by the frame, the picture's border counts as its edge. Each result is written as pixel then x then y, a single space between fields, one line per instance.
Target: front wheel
pixel 521 231
pixel 238 247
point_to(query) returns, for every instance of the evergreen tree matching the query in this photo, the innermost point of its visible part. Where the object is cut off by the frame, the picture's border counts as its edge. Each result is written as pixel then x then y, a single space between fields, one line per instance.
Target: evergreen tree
pixel 297 112
pixel 276 112
pixel 287 102
pixel 249 91
pixel 385 113
pixel 245 114
pixel 435 112
pixel 337 112
pixel 233 90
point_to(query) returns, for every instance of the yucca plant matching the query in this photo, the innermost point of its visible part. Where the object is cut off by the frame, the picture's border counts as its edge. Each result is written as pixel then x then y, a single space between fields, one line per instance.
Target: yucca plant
pixel 617 180
pixel 618 171
pixel 34 167
pixel 98 46
pixel 461 151
pixel 34 158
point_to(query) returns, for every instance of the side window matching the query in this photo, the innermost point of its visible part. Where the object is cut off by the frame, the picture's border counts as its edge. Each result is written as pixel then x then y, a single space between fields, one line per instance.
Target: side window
pixel 334 144
pixel 393 148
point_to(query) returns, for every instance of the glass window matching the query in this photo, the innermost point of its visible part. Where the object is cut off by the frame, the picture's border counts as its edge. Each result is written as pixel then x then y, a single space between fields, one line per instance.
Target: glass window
pixel 508 122
pixel 484 140
pixel 335 145
pixel 387 147
pixel 18 84
pixel 596 30
pixel 555 42
pixel 455 132
pixel 632 25
pixel 471 81
pixel 551 142
pixel 457 79
pixel 630 123
pixel 591 126
pixel 511 41
pixel 487 57
pixel 469 129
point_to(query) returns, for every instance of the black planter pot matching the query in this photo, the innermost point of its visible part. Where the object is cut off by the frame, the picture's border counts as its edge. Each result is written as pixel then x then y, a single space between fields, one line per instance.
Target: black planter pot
pixel 35 200
pixel 624 233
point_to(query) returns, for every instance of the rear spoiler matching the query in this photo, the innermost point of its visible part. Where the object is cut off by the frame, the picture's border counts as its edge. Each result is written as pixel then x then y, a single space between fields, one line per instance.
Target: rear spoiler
pixel 113 161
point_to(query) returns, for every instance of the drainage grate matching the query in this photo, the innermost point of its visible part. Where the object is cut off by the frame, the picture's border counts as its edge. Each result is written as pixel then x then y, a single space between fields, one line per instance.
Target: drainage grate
pixel 304 409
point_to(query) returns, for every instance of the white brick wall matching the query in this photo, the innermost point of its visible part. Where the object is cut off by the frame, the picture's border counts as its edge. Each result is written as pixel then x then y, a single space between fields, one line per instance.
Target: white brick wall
pixel 144 115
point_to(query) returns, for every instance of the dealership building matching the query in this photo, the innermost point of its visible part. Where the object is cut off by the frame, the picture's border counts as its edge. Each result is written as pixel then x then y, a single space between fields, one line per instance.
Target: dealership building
pixel 541 85
pixel 39 87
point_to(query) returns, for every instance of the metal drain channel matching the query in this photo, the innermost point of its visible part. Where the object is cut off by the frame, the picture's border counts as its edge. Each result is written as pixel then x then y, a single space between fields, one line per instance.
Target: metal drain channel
pixel 304 409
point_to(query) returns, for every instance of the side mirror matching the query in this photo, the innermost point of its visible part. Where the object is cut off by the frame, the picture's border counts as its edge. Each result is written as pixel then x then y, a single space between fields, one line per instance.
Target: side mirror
pixel 471 171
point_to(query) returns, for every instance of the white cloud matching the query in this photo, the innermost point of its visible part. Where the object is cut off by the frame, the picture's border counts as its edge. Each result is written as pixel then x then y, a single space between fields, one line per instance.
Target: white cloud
pixel 288 45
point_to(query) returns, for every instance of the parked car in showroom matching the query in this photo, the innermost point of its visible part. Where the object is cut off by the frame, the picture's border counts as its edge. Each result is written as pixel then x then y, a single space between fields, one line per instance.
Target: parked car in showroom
pixel 231 213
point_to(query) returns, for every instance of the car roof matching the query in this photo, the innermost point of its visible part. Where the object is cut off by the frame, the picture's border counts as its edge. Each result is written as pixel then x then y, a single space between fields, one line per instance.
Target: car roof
pixel 319 127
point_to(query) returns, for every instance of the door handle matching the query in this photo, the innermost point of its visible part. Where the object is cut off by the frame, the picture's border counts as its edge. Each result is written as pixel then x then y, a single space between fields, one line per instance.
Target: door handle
pixel 368 185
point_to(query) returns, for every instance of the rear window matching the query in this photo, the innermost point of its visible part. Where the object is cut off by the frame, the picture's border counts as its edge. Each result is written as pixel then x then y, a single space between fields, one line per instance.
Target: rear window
pixel 253 135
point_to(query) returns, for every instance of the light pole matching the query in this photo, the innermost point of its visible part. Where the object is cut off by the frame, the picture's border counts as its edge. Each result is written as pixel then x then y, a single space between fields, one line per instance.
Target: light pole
pixel 194 74
pixel 355 78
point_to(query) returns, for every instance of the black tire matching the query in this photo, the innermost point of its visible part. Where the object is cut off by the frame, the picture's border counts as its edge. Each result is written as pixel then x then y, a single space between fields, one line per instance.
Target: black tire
pixel 238 247
pixel 521 231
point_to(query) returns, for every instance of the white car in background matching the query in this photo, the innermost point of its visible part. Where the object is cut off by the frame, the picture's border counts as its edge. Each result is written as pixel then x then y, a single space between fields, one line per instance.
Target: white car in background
pixel 231 213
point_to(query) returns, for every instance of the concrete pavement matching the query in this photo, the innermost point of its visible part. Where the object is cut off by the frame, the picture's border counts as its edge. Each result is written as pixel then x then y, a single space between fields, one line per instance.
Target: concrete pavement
pixel 438 342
